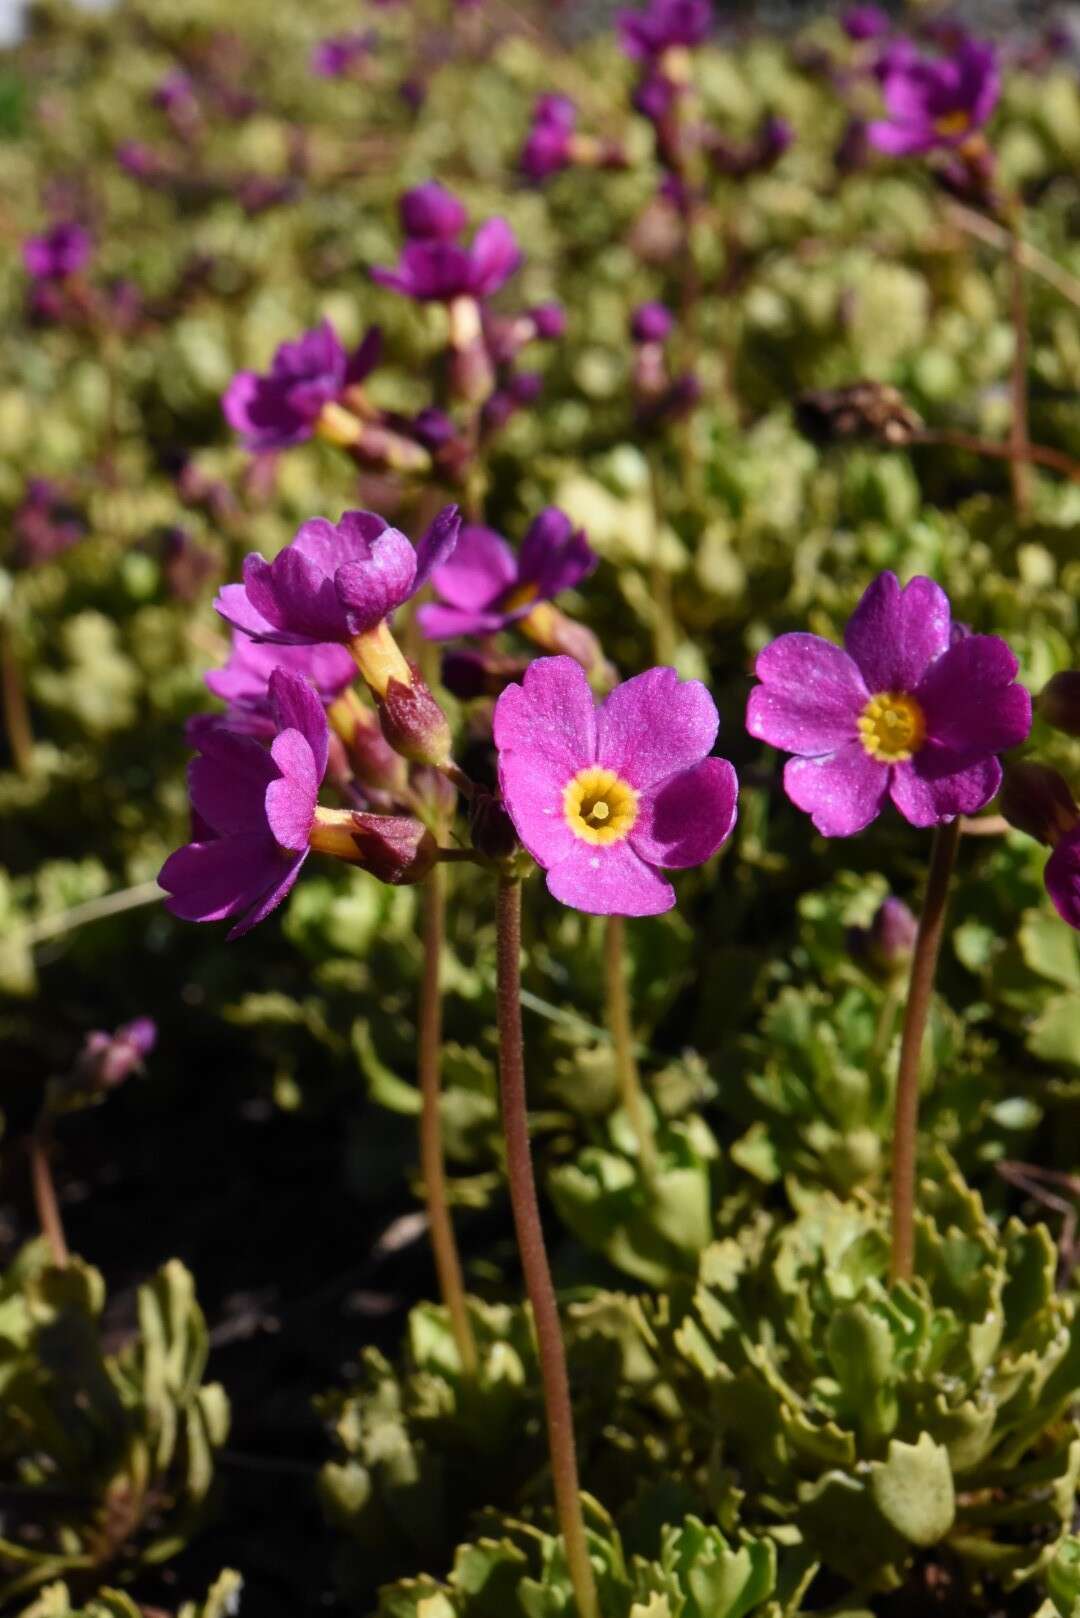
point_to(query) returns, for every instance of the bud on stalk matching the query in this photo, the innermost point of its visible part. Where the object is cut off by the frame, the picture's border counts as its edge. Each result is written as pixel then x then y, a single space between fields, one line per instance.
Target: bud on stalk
pixel 1037 800
pixel 396 849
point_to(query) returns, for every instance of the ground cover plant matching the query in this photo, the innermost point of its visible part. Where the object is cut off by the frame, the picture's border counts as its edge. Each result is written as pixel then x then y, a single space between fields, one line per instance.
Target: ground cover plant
pixel 541 862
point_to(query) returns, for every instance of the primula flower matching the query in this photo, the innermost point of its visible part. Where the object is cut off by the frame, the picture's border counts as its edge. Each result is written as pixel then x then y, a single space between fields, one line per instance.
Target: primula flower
pixel 335 581
pixel 284 407
pixel 440 271
pixel 661 25
pixel 255 812
pixel 430 213
pixel 904 710
pixel 485 587
pixel 604 798
pixel 61 251
pixel 651 323
pixel 935 102
pixel 549 145
pixel 243 684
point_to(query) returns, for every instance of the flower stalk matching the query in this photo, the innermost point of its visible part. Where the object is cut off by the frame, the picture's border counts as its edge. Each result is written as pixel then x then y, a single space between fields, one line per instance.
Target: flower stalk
pixel 1019 468
pixel 16 712
pixel 920 993
pixel 46 1202
pixel 622 1037
pixel 432 1159
pixel 530 1239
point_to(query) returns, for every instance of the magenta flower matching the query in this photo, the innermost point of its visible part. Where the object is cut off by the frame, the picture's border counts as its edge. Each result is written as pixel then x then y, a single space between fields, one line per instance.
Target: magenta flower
pixel 549 145
pixel 485 587
pixel 662 24
pixel 282 408
pixel 333 58
pixel 243 684
pixel 106 1060
pixel 439 271
pixel 335 581
pixel 651 323
pixel 60 252
pixel 935 102
pixel 605 798
pixel 430 213
pixel 254 811
pixel 904 710
pixel 866 22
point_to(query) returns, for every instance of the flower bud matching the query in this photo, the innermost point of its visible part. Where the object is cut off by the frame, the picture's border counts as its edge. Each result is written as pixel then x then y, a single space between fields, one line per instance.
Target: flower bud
pixel 106 1060
pixel 397 849
pixel 887 945
pixel 1037 800
pixel 413 723
pixel 1059 702
pixel 871 411
pixel 491 828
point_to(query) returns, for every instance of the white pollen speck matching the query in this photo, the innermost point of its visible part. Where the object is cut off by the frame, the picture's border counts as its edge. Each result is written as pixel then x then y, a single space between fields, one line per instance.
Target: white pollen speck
pixel 594 864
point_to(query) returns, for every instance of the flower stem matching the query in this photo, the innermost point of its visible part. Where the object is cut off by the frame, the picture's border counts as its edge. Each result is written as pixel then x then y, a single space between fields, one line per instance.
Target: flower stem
pixel 622 1035
pixel 1018 433
pixel 16 712
pixel 664 633
pixel 530 1239
pixel 45 1198
pixel 432 1162
pixel 920 992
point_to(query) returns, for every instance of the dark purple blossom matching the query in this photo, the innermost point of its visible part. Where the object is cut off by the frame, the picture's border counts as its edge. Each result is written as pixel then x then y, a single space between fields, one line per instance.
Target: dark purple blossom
pixel 866 22
pixel 255 809
pixel 901 710
pixel 935 102
pixel 651 323
pixel 549 144
pixel 282 407
pixel 63 250
pixel 431 213
pixel 333 58
pixel 485 586
pixel 335 581
pixel 662 24
pixel 438 271
pixel 243 684
pixel 605 799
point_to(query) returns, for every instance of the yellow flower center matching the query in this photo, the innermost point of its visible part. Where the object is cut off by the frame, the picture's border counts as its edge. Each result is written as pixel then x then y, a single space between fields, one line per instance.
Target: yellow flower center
pixel 892 726
pixel 521 596
pixel 953 123
pixel 599 806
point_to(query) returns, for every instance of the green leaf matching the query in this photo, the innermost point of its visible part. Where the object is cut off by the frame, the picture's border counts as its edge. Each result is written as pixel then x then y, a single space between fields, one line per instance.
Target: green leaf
pixel 913 1490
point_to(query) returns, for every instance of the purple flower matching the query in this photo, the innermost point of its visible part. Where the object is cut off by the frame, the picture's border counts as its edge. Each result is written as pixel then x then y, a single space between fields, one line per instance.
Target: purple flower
pixel 485 587
pixel 1062 877
pixel 438 271
pixel 333 58
pixel 175 93
pixel 282 408
pixel 605 798
pixel 903 711
pixel 106 1060
pixel 866 22
pixel 335 581
pixel 60 252
pixel 430 213
pixel 255 809
pixel 243 684
pixel 548 147
pixel 663 23
pixel 651 323
pixel 935 101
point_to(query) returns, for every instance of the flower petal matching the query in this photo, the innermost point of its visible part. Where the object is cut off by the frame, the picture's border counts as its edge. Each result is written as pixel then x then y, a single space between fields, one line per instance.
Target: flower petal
pixel 532 788
pixel 371 590
pixel 554 555
pixel 894 633
pixel 297 707
pixel 437 544
pixel 842 793
pixel 969 699
pixel 810 697
pixel 285 876
pixel 442 623
pixel 234 605
pixel 481 568
pixel 328 545
pixel 655 724
pixel 609 881
pixel 686 818
pixel 227 783
pixel 1062 878
pixel 290 801
pixel 551 714
pixel 938 784
pixel 208 881
pixel 493 257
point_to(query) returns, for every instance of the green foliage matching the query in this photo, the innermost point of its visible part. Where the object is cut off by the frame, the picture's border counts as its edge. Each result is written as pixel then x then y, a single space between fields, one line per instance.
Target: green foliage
pixel 221 1601
pixel 109 1455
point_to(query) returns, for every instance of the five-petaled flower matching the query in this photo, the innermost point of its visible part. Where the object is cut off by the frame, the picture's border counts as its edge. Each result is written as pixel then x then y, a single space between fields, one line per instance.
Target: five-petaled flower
pixel 904 710
pixel 934 102
pixel 485 587
pixel 606 798
pixel 306 379
pixel 433 269
pixel 254 812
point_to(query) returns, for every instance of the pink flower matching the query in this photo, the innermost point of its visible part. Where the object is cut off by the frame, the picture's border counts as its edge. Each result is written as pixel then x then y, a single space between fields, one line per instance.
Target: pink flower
pixel 604 798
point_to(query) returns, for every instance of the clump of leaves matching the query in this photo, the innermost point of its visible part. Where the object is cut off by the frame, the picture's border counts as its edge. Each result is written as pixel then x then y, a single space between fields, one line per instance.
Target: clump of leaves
pixel 222 1600
pixel 882 1419
pixel 106 1459
pixel 519 1571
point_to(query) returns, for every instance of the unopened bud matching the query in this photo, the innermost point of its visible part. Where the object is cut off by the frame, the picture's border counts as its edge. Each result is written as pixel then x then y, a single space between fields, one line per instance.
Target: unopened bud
pixel 1059 702
pixel 397 849
pixel 870 411
pixel 887 945
pixel 412 721
pixel 491 828
pixel 1037 800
